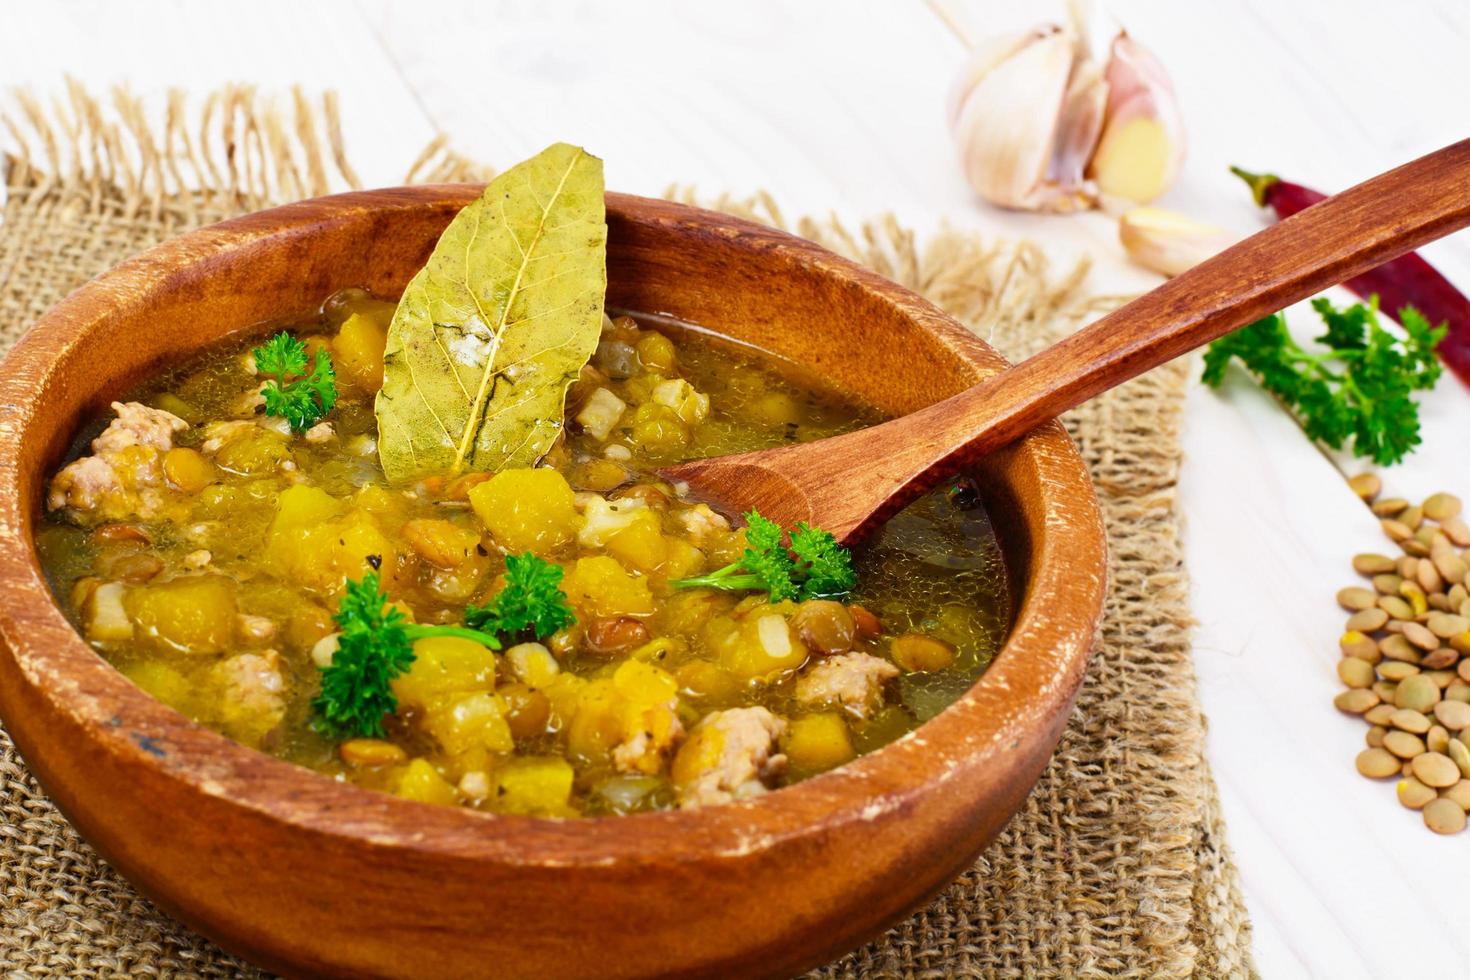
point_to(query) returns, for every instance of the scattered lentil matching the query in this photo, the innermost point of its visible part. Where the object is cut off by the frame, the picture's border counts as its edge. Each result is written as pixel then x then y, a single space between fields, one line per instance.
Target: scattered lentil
pixel 1414 794
pixel 1444 816
pixel 1406 654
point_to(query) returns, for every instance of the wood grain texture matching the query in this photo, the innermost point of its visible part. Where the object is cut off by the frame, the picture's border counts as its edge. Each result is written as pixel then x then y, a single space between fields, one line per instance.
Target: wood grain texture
pixel 314 877
pixel 850 483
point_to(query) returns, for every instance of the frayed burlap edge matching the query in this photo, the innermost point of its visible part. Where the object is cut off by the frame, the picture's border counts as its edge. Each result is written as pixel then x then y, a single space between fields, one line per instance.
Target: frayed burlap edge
pixel 1116 866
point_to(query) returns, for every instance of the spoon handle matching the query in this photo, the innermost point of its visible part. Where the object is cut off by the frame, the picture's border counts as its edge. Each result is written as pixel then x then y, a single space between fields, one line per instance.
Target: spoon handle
pixel 1332 241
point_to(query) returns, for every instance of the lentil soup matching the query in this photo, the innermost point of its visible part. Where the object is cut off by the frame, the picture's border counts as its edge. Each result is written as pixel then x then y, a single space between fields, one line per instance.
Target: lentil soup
pixel 203 546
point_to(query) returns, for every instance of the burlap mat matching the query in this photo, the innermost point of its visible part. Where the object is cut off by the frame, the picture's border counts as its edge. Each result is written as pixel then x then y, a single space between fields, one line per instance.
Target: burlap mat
pixel 1117 866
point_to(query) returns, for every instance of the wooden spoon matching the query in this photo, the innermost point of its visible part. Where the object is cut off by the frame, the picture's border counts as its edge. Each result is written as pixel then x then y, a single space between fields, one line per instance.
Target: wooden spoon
pixel 848 484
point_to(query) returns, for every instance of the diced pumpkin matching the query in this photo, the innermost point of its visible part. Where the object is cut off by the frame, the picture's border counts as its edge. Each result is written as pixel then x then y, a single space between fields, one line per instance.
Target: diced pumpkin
pixel 445 665
pixel 599 586
pixel 760 647
pixel 461 722
pixel 699 754
pixel 534 786
pixel 595 726
pixel 303 505
pixel 259 450
pixel 310 544
pixel 817 743
pixel 527 510
pixel 709 682
pixel 159 680
pixel 358 351
pixel 644 683
pixel 640 545
pixel 189 615
pixel 421 781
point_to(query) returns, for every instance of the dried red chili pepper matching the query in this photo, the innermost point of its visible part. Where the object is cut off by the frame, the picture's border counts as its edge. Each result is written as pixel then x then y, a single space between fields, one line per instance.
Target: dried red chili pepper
pixel 1406 281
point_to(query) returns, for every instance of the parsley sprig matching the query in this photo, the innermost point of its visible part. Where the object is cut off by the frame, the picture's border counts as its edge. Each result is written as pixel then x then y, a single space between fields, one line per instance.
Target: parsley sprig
pixel 1359 387
pixel 293 393
pixel 375 646
pixel 532 600
pixel 814 566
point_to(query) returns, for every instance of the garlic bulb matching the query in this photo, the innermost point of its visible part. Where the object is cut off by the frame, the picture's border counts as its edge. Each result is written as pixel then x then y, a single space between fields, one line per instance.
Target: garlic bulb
pixel 1044 123
pixel 1169 243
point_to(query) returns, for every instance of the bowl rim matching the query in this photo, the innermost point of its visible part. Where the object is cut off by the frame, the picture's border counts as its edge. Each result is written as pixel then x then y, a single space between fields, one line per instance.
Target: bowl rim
pixel 1031 680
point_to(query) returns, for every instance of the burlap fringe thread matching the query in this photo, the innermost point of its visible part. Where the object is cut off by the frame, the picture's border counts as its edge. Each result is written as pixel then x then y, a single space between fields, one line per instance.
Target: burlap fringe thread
pixel 239 150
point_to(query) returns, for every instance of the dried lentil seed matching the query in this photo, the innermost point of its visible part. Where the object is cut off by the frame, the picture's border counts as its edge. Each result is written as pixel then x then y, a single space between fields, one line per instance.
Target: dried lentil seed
pixel 1409 720
pixel 1458 691
pixel 1373 738
pixel 1439 659
pixel 1379 714
pixel 1356 701
pixel 1405 745
pixel 1377 764
pixel 1460 793
pixel 1414 794
pixel 1389 506
pixel 1373 564
pixel 1355 673
pixel 1385 690
pixel 1396 647
pixel 1356 598
pixel 1395 606
pixel 1441 506
pixel 1436 769
pixel 1460 755
pixel 1397 531
pixel 1442 678
pixel 1415 596
pixel 1457 531
pixel 1444 816
pixel 1452 568
pixel 1357 645
pixel 1421 636
pixel 1367 486
pixel 1437 739
pixel 1447 625
pixel 1412 518
pixel 1395 671
pixel 1429 577
pixel 1417 692
pixel 1454 715
pixel 1368 620
pixel 1388 583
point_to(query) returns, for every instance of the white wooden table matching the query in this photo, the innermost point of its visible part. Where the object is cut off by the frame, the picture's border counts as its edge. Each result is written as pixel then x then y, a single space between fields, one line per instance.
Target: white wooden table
pixel 840 105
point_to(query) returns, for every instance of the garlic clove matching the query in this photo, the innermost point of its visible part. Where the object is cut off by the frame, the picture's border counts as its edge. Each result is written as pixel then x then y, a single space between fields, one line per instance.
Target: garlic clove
pixel 1142 145
pixel 1167 242
pixel 1077 133
pixel 982 61
pixel 1007 125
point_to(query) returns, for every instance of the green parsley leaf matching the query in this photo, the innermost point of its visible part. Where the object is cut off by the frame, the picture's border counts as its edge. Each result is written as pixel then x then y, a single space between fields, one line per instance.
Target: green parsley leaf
pixel 825 566
pixel 1358 387
pixel 531 600
pixel 820 566
pixel 282 354
pixel 375 646
pixel 304 401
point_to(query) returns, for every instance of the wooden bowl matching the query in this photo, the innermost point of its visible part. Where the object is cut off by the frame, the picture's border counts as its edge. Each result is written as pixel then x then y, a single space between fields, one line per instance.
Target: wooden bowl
pixel 313 877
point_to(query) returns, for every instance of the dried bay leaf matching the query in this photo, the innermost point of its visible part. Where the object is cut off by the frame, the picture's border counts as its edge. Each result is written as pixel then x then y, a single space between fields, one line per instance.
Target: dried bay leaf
pixel 492 331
